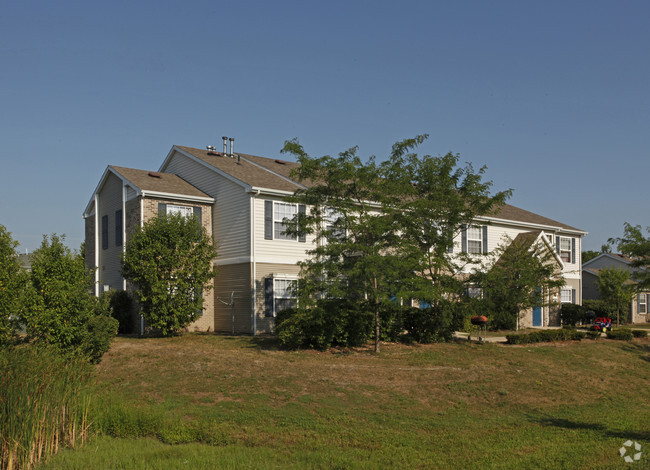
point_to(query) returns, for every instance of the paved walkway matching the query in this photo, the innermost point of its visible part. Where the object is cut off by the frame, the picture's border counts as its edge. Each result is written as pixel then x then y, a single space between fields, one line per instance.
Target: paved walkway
pixel 496 339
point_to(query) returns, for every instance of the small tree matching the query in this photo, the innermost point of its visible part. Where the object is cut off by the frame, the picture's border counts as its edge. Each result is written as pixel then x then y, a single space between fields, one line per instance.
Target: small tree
pixel 12 284
pixel 169 260
pixel 60 308
pixel 521 278
pixel 616 289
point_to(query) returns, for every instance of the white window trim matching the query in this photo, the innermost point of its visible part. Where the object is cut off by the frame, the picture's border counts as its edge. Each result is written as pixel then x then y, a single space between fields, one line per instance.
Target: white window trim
pixel 283 221
pixel 471 237
pixel 567 251
pixel 281 277
pixel 566 291
pixel 643 296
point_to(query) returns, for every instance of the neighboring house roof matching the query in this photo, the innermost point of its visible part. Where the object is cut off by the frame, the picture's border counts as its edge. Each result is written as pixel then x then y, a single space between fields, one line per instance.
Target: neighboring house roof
pixel 596 272
pixel 613 259
pixel 512 213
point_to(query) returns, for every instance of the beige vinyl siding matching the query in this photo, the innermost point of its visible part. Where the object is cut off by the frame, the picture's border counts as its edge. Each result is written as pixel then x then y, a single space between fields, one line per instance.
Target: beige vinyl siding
pixel 233 278
pixel 276 251
pixel 230 213
pixel 110 201
pixel 265 324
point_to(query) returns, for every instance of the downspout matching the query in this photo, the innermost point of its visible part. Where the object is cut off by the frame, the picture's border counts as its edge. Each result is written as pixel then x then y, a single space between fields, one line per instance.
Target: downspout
pixel 96 245
pixel 141 225
pixel 253 262
pixel 124 191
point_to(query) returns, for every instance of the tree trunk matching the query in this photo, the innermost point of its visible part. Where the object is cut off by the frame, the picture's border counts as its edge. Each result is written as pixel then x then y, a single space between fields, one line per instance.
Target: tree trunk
pixel 377 324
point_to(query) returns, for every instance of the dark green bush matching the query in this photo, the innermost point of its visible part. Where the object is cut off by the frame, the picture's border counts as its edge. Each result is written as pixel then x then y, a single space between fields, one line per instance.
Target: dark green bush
pixel 599 307
pixel 332 322
pixel 121 303
pixel 572 314
pixel 640 333
pixel 546 336
pixel 623 334
pixel 593 334
pixel 433 324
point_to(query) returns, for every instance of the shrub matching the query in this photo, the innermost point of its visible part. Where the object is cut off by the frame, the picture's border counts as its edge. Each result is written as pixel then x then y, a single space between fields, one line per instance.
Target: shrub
pixel 571 314
pixel 12 284
pixel 546 336
pixel 599 307
pixel 640 333
pixel 623 334
pixel 121 303
pixel 593 334
pixel 433 324
pixel 100 331
pixel 332 322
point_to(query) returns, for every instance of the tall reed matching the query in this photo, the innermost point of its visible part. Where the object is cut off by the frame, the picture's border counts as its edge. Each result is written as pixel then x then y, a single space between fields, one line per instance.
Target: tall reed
pixel 44 403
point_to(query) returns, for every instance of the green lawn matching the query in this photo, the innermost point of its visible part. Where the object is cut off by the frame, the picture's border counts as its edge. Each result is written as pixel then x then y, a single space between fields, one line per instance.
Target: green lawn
pixel 209 401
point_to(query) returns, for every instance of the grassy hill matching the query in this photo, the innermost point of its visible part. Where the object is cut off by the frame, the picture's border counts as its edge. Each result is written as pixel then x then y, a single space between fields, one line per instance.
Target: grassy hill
pixel 209 401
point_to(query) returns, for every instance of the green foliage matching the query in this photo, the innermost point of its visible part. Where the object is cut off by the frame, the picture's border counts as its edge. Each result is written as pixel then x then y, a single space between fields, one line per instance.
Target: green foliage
pixel 600 307
pixel 572 314
pixel 436 323
pixel 121 305
pixel 640 333
pixel 43 404
pixel 520 279
pixel 617 290
pixel 59 302
pixel 623 334
pixel 546 336
pixel 331 322
pixel 12 285
pixel 376 221
pixel 637 247
pixel 169 260
pixel 592 334
pixel 99 333
pixel 589 255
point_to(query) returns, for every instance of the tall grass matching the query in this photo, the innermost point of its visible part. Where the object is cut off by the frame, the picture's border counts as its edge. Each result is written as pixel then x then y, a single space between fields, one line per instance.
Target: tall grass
pixel 43 404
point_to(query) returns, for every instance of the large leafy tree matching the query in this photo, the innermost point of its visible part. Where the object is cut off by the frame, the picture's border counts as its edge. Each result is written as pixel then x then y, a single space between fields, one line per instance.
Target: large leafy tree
pixel 384 231
pixel 357 256
pixel 635 245
pixel 432 199
pixel 169 260
pixel 12 283
pixel 616 289
pixel 521 278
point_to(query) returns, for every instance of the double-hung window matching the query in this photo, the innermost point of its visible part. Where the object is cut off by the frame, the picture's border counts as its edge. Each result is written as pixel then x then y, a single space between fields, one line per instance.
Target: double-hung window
pixel 282 213
pixel 279 295
pixel 474 240
pixel 567 296
pixel 277 215
pixel 643 303
pixel 334 224
pixel 565 249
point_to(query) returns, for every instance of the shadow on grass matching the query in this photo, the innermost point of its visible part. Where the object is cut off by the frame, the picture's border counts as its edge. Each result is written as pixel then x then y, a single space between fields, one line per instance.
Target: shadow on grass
pixel 598 427
pixel 642 349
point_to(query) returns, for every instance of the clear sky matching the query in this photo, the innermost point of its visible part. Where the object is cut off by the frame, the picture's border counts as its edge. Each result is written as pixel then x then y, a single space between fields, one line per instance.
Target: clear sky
pixel 553 96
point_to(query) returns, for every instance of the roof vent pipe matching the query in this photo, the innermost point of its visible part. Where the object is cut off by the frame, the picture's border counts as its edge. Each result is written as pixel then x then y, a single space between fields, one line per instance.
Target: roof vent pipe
pixel 225 145
pixel 232 147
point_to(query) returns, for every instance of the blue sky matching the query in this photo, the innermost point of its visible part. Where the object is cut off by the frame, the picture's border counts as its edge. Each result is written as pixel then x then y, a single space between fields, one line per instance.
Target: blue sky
pixel 554 97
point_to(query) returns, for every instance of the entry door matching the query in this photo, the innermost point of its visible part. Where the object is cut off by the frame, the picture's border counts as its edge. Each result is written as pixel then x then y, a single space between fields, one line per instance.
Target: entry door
pixel 537 316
